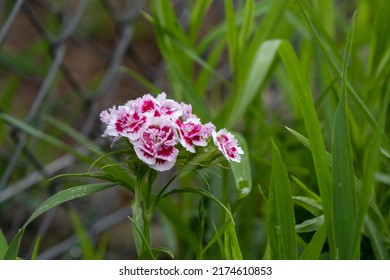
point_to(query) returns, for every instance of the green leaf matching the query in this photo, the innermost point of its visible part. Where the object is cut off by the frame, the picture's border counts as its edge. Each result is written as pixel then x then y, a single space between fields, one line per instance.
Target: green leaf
pixel 34 255
pixel 79 137
pixel 85 241
pixel 217 235
pixel 198 11
pixel 231 246
pixel 147 253
pixel 304 141
pixel 231 34
pixel 56 199
pixel 247 26
pixel 282 204
pixel 204 77
pixel 309 193
pixel 138 222
pixel 3 245
pixel 333 61
pixel 344 192
pixel 162 250
pixel 195 57
pixel 377 240
pixel 273 15
pixel 314 248
pixel 101 176
pixel 259 69
pixel 310 225
pixel 43 136
pixel 380 40
pixel 303 95
pixel 242 170
pixel 311 205
pixel 371 162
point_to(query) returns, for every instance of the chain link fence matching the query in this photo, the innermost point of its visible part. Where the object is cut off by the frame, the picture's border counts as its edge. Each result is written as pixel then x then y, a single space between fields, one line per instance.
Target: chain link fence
pixel 59 63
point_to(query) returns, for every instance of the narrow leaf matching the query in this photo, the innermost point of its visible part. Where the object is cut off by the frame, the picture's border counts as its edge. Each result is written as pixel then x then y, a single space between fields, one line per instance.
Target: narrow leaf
pixel 372 159
pixel 310 225
pixel 231 245
pixel 283 206
pixel 217 235
pixel 85 241
pixel 333 62
pixel 148 253
pixel 259 70
pixel 247 26
pixel 231 34
pixel 344 192
pixel 58 198
pixel 314 248
pixel 311 205
pixel 377 240
pixel 34 255
pixel 242 170
pixel 303 95
pixel 3 245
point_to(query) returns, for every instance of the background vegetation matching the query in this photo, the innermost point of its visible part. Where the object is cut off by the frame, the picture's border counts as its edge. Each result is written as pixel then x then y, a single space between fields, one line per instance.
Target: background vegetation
pixel 304 82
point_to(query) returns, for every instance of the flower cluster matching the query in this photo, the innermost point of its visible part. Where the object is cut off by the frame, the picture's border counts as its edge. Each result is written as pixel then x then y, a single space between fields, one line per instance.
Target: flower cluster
pixel 156 125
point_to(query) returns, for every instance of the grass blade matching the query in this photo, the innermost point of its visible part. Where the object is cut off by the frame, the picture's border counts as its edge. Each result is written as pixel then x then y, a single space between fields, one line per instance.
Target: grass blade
pixel 217 235
pixel 283 205
pixel 83 237
pixel 343 184
pixel 310 225
pixel 3 245
pixel 333 62
pixel 148 253
pixel 371 166
pixel 58 198
pixel 259 70
pixel 380 39
pixel 314 248
pixel 199 10
pixel 231 34
pixel 313 128
pixel 377 240
pixel 247 26
pixel 231 246
pixel 34 255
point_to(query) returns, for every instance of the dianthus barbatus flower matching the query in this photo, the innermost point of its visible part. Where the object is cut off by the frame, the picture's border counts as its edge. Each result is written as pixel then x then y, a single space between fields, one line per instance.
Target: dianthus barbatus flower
pixel 123 122
pixel 228 145
pixel 194 133
pixel 156 144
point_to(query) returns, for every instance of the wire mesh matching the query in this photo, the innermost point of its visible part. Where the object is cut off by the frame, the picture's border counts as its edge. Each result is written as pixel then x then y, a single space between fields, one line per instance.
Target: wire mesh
pixel 59 61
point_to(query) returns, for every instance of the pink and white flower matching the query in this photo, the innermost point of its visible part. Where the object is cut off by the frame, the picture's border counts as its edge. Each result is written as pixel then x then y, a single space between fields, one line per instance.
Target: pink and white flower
pixel 228 145
pixel 147 105
pixel 154 126
pixel 186 110
pixel 194 133
pixel 156 144
pixel 123 122
pixel 168 107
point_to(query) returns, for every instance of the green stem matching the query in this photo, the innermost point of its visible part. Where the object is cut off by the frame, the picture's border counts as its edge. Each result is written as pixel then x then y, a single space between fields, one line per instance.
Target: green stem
pixel 143 210
pixel 148 206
